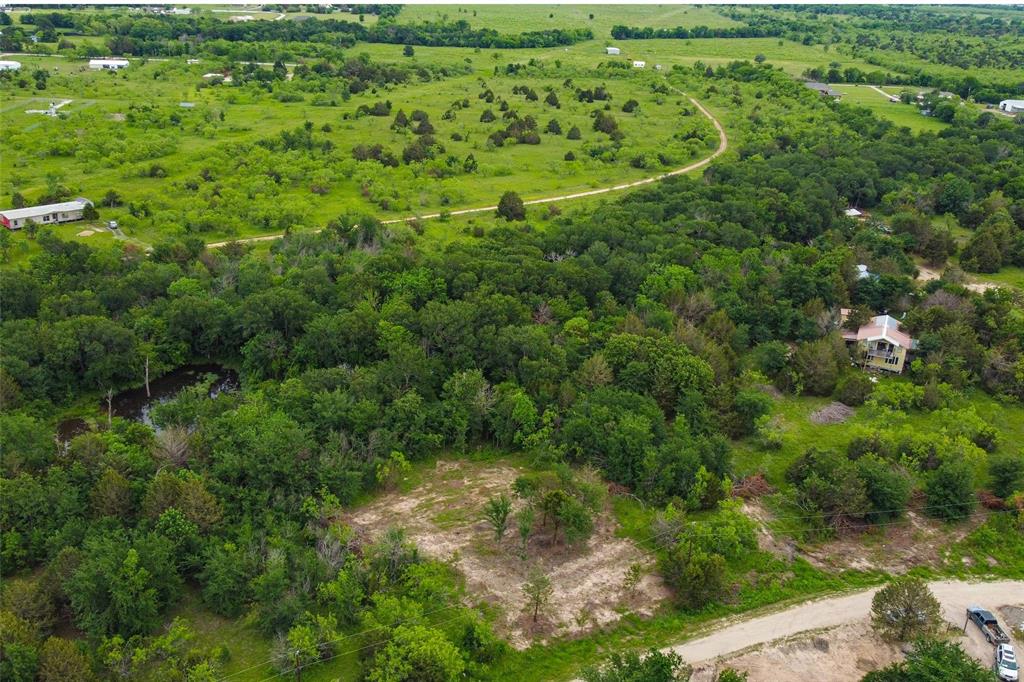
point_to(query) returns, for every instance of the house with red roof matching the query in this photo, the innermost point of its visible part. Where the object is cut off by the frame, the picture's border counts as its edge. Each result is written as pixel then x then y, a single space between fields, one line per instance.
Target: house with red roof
pixel 881 344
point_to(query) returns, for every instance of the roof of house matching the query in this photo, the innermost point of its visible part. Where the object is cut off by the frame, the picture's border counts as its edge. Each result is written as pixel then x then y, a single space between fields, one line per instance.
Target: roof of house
pixel 852 212
pixel 122 62
pixel 823 88
pixel 31 211
pixel 1013 102
pixel 887 328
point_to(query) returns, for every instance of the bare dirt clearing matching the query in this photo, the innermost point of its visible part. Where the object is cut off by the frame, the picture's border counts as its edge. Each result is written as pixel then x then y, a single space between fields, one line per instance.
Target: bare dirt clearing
pixel 443 517
pixel 831 639
pixel 914 540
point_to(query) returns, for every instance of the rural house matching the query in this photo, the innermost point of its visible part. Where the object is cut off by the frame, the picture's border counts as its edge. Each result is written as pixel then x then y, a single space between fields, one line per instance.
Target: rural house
pixel 9 65
pixel 880 344
pixel 639 64
pixel 611 50
pixel 108 64
pixel 48 214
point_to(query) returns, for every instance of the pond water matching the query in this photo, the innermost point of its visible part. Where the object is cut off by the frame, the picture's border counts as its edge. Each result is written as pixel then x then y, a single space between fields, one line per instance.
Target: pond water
pixel 134 404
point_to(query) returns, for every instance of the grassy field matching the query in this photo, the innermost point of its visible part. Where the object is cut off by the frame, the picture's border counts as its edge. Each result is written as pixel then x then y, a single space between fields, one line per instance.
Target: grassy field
pixel 1009 276
pixel 901 114
pixel 598 18
pixel 39 150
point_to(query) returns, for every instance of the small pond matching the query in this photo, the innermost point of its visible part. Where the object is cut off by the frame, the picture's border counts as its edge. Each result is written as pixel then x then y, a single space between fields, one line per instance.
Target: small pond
pixel 134 404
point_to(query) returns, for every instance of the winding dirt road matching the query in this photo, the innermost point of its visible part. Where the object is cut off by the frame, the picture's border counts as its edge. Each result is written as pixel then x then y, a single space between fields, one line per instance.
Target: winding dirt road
pixel 954 595
pixel 723 145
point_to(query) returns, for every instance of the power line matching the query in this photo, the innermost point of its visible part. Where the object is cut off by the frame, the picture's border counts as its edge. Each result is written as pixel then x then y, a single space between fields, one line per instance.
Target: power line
pixel 340 639
pixel 350 651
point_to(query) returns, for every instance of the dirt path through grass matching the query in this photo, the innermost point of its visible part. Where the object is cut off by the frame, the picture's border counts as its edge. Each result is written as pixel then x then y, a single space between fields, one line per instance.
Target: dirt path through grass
pixel 723 145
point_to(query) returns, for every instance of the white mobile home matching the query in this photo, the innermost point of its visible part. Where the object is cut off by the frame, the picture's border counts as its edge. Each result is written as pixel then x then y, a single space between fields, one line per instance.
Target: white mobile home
pixel 612 50
pixel 1012 106
pixel 48 214
pixel 9 65
pixel 108 64
pixel 639 65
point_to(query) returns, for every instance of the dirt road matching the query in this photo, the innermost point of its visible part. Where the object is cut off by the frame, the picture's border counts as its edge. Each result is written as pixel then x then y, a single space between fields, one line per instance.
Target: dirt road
pixel 955 596
pixel 723 145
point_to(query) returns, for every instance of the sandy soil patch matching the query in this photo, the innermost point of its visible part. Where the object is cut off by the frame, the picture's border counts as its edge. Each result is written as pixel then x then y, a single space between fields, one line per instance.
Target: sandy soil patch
pixel 86 233
pixel 842 654
pixel 833 413
pixel 443 517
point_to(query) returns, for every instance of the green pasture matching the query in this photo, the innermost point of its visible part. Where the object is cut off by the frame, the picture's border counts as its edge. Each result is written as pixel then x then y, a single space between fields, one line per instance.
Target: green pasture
pixel 520 18
pixel 91 148
pixel 899 113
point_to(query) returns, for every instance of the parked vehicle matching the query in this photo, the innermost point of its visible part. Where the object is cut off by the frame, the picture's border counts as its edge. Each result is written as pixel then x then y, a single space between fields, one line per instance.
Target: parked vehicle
pixel 988 625
pixel 1006 663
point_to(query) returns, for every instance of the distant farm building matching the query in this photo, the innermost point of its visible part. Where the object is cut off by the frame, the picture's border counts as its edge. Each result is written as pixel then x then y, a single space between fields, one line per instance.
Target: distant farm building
pixel 48 214
pixel 8 65
pixel 612 50
pixel 241 17
pixel 108 64
pixel 639 65
pixel 853 213
pixel 1012 106
pixel 823 89
pixel 881 344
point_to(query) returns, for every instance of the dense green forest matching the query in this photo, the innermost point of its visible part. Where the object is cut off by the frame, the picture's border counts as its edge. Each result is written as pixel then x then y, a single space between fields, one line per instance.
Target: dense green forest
pixel 646 339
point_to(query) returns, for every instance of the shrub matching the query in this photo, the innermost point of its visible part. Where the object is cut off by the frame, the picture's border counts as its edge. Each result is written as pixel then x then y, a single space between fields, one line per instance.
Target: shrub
pixel 896 395
pixel 854 388
pixel 511 207
pixel 1007 473
pixel 950 491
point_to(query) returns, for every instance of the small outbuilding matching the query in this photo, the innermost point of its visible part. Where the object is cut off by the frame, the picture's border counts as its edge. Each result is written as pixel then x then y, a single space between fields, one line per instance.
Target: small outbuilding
pixel 1012 106
pixel 47 214
pixel 108 64
pixel 823 89
pixel 612 50
pixel 9 65
pixel 853 213
pixel 639 64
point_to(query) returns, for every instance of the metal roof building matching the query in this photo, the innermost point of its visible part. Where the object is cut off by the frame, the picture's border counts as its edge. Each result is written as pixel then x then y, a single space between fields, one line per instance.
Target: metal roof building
pixel 47 214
